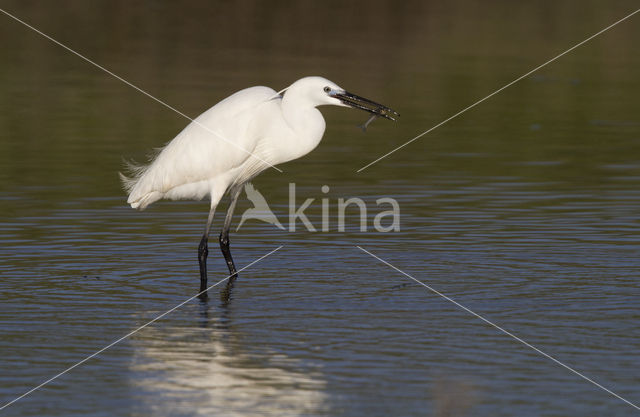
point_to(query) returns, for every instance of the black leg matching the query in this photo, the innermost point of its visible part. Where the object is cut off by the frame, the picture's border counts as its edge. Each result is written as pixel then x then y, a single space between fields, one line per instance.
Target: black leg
pixel 226 251
pixel 203 251
pixel 225 294
pixel 224 246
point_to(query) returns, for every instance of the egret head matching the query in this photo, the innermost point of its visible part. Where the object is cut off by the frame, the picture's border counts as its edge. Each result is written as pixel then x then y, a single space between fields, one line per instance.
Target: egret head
pixel 321 91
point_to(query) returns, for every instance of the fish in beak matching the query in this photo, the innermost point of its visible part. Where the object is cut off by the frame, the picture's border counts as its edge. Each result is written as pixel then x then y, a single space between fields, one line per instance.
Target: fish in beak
pixel 378 110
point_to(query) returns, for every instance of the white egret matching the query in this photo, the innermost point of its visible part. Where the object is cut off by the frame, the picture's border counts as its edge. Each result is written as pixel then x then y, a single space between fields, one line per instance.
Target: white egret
pixel 232 142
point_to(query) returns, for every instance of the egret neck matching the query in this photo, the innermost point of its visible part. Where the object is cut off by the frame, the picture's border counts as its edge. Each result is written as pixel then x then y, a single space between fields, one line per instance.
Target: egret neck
pixel 305 121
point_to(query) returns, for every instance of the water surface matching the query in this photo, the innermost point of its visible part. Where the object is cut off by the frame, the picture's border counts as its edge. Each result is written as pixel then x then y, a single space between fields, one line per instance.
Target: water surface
pixel 524 209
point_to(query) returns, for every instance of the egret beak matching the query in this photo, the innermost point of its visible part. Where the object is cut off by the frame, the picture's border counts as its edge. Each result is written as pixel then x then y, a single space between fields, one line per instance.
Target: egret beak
pixel 365 104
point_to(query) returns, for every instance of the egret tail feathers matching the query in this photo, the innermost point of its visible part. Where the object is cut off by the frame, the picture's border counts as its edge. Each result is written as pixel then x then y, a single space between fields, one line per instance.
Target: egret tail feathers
pixel 138 198
pixel 134 172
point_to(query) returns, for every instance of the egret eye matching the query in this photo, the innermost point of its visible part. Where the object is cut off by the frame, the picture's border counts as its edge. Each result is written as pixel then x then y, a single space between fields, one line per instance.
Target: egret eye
pixel 327 89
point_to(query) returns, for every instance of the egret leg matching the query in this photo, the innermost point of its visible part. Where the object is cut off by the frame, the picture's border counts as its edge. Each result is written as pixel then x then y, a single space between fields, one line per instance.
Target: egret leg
pixel 224 235
pixel 203 251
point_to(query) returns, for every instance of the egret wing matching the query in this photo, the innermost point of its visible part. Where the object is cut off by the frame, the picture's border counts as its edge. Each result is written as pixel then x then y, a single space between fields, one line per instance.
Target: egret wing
pixel 214 143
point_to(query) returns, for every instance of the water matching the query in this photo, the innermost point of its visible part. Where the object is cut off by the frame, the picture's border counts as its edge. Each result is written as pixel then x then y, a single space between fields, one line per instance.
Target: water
pixel 524 210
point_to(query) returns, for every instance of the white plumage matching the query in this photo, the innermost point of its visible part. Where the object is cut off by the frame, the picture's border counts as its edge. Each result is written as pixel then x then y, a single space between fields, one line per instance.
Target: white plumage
pixel 202 160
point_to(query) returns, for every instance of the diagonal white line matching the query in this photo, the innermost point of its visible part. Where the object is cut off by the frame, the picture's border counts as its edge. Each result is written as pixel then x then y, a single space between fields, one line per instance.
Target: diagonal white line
pixel 497 91
pixel 131 333
pixel 500 328
pixel 137 88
